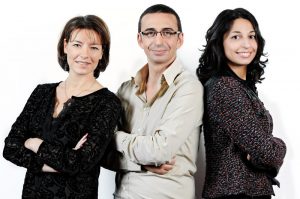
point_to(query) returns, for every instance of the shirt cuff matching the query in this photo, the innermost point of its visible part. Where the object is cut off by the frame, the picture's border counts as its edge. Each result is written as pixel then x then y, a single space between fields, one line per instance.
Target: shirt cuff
pixel 121 139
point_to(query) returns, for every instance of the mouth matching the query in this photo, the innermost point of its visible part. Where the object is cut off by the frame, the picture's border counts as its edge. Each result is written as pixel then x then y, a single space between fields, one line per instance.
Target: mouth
pixel 82 62
pixel 244 54
pixel 159 52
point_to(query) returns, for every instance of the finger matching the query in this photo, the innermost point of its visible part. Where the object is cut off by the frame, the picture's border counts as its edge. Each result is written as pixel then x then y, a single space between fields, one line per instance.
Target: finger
pixel 84 137
pixel 79 144
pixel 167 167
pixel 82 140
pixel 157 170
pixel 172 161
pixel 160 171
pixel 163 172
pixel 248 157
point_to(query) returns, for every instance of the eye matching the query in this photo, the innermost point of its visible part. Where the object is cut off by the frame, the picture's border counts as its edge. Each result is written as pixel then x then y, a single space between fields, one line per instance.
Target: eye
pixel 76 45
pixel 235 37
pixel 149 33
pixel 168 33
pixel 94 48
pixel 252 36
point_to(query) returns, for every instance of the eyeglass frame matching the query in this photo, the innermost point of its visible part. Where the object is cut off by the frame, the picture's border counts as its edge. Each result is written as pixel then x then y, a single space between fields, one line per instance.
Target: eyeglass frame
pixel 160 32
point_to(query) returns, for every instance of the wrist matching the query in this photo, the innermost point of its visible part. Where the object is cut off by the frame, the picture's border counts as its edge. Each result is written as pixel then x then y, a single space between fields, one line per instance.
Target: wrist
pixel 27 143
pixel 33 144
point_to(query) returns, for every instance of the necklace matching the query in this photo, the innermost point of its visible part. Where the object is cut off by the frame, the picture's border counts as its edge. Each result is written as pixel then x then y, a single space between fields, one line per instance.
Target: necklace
pixel 69 99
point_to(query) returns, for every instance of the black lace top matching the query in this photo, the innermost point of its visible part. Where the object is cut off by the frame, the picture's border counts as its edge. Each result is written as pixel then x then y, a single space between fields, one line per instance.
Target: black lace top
pixel 96 114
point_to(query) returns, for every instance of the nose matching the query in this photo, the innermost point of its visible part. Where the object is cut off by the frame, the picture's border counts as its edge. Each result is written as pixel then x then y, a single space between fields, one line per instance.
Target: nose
pixel 158 38
pixel 246 43
pixel 84 52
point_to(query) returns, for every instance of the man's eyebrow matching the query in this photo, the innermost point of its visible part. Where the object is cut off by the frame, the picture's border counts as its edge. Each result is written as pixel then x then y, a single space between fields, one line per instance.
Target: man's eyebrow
pixel 150 29
pixel 164 29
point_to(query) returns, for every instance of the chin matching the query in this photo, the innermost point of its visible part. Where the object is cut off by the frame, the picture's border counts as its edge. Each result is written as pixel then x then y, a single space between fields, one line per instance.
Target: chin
pixel 160 59
pixel 244 62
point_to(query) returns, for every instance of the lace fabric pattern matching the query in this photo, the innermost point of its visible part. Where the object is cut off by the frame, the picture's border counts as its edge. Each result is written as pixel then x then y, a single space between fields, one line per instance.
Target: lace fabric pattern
pixel 78 170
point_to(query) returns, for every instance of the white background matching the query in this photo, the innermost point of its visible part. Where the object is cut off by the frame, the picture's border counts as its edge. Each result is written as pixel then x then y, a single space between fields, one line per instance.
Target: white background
pixel 30 31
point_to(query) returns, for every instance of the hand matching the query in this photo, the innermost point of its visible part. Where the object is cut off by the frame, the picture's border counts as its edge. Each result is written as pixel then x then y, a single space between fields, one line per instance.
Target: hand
pixel 81 142
pixel 47 168
pixel 248 157
pixel 162 169
pixel 33 144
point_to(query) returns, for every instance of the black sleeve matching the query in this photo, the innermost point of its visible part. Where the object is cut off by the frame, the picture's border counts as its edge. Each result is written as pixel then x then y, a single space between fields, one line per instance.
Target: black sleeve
pixel 102 124
pixel 14 149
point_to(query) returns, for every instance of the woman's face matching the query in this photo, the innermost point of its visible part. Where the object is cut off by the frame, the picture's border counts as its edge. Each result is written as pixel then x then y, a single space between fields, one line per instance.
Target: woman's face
pixel 240 45
pixel 84 51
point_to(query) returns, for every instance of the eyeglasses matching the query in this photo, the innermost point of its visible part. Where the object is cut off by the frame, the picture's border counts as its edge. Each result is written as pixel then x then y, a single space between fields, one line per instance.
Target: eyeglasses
pixel 167 34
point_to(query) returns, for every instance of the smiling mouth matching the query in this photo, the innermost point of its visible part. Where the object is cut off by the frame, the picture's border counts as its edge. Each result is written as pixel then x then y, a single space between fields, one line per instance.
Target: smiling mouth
pixel 82 62
pixel 158 52
pixel 244 54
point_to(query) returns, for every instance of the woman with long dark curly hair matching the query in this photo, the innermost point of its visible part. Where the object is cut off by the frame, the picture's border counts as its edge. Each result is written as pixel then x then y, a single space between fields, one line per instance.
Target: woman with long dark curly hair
pixel 242 156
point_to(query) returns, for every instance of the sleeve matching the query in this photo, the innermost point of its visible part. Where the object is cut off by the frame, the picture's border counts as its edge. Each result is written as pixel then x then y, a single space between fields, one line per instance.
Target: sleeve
pixel 116 161
pixel 102 124
pixel 182 115
pixel 232 110
pixel 113 159
pixel 14 149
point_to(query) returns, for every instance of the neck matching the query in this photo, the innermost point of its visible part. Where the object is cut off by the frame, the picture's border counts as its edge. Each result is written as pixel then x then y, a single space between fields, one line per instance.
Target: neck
pixel 78 86
pixel 240 71
pixel 156 71
pixel 75 82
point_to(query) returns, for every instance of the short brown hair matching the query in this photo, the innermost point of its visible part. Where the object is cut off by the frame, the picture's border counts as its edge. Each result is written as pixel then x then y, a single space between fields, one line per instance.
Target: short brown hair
pixel 89 22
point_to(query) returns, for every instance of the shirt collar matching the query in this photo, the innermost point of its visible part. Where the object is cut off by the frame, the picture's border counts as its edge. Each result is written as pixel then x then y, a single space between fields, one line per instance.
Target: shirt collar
pixel 169 74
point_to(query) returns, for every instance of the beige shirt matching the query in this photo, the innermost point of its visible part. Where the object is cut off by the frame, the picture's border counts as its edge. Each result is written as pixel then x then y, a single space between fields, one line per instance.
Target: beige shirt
pixel 157 131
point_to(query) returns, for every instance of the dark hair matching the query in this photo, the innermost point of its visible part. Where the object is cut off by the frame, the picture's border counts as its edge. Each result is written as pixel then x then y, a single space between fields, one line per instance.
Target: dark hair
pixel 213 59
pixel 89 22
pixel 160 8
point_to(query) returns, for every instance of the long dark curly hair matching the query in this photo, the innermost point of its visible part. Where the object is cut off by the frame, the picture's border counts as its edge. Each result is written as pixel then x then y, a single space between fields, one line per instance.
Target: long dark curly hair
pixel 213 59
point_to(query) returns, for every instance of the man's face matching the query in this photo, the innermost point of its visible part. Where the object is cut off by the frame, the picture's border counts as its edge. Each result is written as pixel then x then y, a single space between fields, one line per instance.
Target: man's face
pixel 160 48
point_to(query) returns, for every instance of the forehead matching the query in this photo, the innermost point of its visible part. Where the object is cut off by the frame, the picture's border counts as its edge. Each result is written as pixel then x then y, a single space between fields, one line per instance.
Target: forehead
pixel 241 25
pixel 159 21
pixel 86 35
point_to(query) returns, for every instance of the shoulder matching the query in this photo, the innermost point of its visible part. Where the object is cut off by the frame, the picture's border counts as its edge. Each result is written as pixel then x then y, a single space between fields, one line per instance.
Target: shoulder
pixel 127 85
pixel 46 87
pixel 226 91
pixel 110 99
pixel 126 88
pixel 223 84
pixel 110 96
pixel 42 89
pixel 187 81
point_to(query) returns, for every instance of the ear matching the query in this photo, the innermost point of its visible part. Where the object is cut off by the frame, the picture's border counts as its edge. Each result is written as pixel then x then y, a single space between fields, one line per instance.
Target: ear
pixel 140 40
pixel 180 40
pixel 65 46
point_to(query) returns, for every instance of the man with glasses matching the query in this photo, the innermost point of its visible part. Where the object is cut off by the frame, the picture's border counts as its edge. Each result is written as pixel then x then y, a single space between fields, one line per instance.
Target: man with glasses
pixel 163 112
